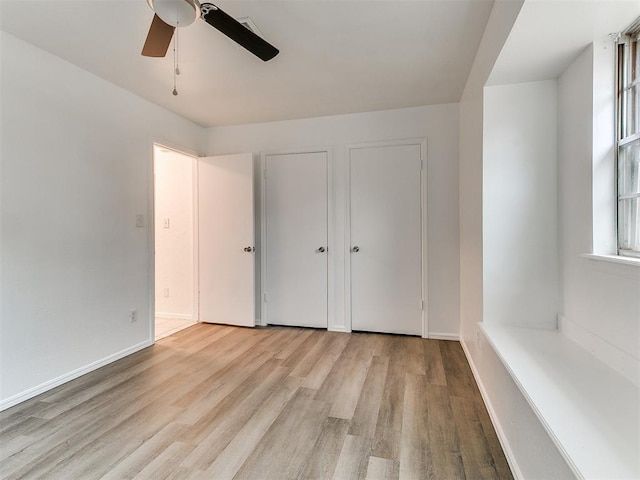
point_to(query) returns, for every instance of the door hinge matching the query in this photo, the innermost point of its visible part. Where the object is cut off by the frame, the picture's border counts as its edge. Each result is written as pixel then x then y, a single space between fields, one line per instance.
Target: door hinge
pixel 421 304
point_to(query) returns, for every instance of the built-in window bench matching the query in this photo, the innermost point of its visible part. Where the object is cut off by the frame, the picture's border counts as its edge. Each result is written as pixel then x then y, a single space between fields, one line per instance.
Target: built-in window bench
pixel 590 411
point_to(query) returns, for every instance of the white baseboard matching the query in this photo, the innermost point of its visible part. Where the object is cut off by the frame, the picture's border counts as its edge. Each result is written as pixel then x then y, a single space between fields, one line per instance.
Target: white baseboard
pixel 180 316
pixel 46 386
pixel 508 453
pixel 443 336
pixel 335 328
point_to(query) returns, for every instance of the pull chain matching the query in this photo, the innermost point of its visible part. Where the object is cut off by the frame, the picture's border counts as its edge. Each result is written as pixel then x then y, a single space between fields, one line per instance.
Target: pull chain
pixel 176 70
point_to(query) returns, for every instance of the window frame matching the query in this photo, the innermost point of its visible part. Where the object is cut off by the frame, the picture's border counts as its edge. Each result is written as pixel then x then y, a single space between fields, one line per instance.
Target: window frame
pixel 627 139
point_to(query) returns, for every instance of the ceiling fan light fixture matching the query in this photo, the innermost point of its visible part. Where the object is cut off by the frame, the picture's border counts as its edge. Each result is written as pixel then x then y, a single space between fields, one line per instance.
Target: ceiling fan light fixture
pixel 170 14
pixel 177 13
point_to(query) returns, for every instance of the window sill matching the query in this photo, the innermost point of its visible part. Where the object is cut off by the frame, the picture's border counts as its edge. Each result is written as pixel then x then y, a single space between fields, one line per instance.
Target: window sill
pixel 613 259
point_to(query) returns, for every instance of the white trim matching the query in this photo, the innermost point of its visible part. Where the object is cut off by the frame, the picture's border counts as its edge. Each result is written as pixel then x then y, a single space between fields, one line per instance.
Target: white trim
pixel 425 238
pixel 263 240
pixel 187 152
pixel 293 151
pixel 347 238
pixel 178 316
pixel 502 438
pixel 613 259
pixel 67 377
pixel 151 239
pixel 444 336
pixel 331 243
pixel 339 329
pixel 423 231
pixel 195 219
pixel 629 196
pixel 181 149
pixel 631 138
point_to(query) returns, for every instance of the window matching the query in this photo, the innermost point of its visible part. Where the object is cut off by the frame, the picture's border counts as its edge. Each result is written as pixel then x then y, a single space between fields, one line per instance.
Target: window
pixel 628 142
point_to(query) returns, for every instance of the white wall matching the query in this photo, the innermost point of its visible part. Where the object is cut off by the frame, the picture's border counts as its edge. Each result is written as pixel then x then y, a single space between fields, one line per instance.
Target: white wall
pixel 520 207
pixel 601 300
pixel 76 170
pixel 439 124
pixel 530 451
pixel 502 18
pixel 173 242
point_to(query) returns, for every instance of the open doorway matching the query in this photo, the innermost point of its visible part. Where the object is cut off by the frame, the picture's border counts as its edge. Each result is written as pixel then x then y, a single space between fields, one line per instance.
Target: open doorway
pixel 174 177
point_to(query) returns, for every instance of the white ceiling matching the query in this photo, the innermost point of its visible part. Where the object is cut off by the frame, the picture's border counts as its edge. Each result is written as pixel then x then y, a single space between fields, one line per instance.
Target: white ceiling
pixel 335 56
pixel 549 34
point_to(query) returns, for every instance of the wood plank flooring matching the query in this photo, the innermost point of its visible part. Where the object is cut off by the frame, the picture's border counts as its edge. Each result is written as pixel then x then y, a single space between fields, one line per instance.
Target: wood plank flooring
pixel 220 402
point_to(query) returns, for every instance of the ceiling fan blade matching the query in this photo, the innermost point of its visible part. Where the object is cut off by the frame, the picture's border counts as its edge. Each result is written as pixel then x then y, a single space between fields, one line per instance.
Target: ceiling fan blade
pixel 238 32
pixel 158 38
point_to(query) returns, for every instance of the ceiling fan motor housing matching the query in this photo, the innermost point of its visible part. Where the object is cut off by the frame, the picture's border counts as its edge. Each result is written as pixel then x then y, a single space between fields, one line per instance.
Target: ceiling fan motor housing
pixel 177 13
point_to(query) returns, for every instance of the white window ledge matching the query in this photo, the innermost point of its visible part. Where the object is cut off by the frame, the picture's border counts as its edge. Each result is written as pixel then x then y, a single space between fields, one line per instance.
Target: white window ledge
pixel 589 410
pixel 613 259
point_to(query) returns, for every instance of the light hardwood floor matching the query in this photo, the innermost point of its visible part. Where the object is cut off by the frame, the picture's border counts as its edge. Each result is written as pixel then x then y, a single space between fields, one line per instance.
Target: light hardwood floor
pixel 219 402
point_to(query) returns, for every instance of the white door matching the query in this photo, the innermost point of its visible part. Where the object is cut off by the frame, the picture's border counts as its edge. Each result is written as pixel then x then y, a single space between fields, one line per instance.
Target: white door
pixel 296 239
pixel 386 239
pixel 225 240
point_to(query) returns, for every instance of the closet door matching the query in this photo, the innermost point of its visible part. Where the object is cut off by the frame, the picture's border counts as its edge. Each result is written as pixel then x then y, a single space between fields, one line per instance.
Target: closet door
pixel 386 239
pixel 296 239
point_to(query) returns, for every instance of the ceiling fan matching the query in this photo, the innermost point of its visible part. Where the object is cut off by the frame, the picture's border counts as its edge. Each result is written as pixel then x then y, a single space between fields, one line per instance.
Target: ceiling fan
pixel 170 14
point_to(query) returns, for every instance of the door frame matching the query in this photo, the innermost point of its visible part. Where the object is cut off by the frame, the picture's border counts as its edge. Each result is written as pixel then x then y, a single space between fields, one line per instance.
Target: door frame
pixel 331 244
pixel 187 152
pixel 422 142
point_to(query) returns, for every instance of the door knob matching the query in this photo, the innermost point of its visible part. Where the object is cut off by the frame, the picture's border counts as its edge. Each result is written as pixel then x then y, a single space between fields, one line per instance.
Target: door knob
pixel 321 249
pixel 248 249
pixel 355 249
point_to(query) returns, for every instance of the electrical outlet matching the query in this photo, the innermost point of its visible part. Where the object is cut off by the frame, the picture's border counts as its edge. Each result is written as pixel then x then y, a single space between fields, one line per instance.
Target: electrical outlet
pixel 166 293
pixel 133 316
pixel 139 220
pixel 167 223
